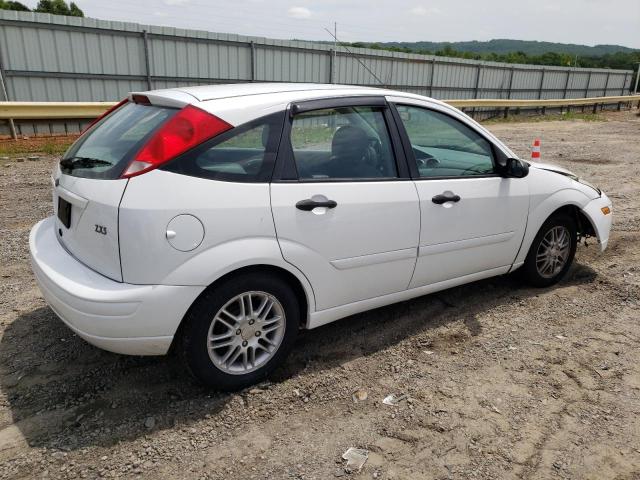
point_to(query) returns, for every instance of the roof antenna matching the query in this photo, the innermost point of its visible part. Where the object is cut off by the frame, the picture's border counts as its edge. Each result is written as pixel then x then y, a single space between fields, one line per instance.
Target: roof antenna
pixel 335 42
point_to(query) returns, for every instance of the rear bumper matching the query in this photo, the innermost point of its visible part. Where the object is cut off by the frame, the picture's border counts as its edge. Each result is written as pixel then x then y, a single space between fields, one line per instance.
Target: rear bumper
pixel 601 222
pixel 119 317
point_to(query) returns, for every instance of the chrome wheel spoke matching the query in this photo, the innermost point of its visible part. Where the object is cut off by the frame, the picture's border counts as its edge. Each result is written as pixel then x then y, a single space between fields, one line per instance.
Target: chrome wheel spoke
pixel 223 336
pixel 271 328
pixel 216 346
pixel 265 309
pixel 228 354
pixel 252 356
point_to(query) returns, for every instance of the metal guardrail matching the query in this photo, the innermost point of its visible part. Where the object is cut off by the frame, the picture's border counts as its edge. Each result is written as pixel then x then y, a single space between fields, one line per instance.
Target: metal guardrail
pixel 52 110
pixel 559 102
pixel 88 110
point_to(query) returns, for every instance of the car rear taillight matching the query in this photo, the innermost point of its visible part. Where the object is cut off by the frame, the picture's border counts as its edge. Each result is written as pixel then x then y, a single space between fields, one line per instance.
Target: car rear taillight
pixel 189 127
pixel 115 107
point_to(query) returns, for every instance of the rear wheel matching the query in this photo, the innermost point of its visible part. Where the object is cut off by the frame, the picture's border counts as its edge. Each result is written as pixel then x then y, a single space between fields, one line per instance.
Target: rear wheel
pixel 551 252
pixel 240 331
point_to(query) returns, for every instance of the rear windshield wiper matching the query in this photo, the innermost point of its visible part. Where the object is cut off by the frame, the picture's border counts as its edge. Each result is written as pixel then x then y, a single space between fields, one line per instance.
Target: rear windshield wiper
pixel 82 162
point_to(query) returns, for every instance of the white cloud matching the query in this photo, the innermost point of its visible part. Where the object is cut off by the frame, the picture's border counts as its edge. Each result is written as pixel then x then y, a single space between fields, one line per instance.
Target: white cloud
pixel 176 2
pixel 422 11
pixel 297 12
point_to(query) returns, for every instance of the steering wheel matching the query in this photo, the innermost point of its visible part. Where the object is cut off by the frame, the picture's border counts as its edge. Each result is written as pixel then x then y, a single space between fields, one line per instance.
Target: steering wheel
pixel 424 159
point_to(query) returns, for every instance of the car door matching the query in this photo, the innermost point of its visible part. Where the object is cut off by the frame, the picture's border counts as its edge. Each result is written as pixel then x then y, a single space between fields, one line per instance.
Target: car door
pixel 345 210
pixel 472 219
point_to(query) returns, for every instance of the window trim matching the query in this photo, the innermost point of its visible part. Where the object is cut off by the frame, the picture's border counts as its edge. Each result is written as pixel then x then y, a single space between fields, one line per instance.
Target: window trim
pixel 286 170
pixel 408 148
pixel 275 120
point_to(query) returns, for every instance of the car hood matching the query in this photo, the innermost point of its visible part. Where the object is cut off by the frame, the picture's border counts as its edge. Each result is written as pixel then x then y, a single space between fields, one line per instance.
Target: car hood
pixel 552 168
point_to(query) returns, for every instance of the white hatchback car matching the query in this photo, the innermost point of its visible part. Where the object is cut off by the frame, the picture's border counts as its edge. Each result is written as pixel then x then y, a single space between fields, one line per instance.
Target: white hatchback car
pixel 222 219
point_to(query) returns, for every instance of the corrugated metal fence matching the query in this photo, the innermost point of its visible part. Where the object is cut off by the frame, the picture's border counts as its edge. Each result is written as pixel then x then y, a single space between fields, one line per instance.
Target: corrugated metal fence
pixel 54 58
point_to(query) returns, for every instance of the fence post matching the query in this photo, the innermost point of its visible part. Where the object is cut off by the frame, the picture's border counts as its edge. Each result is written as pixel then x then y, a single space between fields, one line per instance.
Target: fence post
pixel 541 83
pixel 145 41
pixel 624 84
pixel 512 69
pixel 433 71
pixel 506 109
pixel 252 50
pixel 332 63
pixel 566 84
pixel 475 91
pixel 476 88
pixel 606 84
pixel 586 89
pixel 12 126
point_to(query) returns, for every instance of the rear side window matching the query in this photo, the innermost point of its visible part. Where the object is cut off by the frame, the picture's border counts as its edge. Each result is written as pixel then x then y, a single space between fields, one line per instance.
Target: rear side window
pixel 244 154
pixel 106 149
pixel 342 143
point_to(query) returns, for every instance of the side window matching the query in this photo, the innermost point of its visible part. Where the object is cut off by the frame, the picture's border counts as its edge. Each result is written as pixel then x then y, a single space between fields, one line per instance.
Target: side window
pixel 244 154
pixel 444 146
pixel 342 143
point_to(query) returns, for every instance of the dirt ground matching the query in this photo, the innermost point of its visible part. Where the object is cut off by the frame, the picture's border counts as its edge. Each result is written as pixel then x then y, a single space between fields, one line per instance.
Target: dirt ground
pixel 502 380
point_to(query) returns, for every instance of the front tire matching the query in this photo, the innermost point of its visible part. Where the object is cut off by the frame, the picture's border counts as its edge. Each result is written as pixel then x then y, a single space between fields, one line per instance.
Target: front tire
pixel 238 332
pixel 552 251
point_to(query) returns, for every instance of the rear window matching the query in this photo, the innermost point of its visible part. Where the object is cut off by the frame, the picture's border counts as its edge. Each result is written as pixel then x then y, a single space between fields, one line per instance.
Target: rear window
pixel 106 149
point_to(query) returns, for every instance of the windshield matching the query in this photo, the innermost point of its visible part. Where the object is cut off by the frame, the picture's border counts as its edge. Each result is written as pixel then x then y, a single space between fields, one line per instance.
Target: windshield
pixel 105 150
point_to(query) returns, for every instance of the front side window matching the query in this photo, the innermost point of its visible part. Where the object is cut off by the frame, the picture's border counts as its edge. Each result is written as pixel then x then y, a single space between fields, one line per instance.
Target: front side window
pixel 244 154
pixel 444 146
pixel 342 143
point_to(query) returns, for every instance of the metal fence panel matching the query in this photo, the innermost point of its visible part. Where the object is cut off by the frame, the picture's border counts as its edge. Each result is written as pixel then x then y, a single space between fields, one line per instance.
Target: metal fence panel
pixel 54 58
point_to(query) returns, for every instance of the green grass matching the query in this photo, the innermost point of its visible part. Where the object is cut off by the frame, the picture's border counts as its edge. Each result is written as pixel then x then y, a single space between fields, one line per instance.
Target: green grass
pixel 552 117
pixel 17 148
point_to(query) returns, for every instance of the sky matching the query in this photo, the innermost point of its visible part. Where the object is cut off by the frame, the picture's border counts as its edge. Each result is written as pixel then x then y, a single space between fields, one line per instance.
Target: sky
pixel 587 22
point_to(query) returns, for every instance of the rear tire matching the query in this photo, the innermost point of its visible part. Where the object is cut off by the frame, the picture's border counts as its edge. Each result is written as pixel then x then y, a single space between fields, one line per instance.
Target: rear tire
pixel 552 251
pixel 238 332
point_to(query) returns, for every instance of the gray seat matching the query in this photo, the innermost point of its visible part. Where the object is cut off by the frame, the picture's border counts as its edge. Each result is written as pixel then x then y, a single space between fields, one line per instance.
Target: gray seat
pixel 352 155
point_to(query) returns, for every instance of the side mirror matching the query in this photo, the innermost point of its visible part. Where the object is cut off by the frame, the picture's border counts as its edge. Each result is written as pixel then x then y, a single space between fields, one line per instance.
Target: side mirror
pixel 516 168
pixel 511 167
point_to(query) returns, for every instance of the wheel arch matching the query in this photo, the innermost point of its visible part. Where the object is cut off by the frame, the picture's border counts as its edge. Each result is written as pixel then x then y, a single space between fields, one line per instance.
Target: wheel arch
pixel 305 301
pixel 569 201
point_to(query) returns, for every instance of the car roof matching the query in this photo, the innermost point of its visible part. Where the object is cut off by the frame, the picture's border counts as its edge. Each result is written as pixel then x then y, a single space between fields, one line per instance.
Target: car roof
pixel 238 103
pixel 203 93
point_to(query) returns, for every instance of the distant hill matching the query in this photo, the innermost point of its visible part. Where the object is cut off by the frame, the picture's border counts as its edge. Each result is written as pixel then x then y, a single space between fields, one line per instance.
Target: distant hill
pixel 502 46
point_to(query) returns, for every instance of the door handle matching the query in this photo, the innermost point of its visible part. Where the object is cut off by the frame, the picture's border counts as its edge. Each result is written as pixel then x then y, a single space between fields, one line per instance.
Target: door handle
pixel 440 199
pixel 308 204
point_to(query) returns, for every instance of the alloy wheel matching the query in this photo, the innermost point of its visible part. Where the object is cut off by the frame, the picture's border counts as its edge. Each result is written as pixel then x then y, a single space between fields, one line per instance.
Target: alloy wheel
pixel 246 332
pixel 553 251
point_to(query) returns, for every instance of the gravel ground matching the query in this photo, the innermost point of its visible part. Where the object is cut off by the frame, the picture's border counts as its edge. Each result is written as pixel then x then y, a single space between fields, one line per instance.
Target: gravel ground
pixel 501 380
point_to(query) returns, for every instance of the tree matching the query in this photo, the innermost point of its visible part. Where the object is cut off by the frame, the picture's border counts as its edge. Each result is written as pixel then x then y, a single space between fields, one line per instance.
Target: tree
pixel 4 5
pixel 59 7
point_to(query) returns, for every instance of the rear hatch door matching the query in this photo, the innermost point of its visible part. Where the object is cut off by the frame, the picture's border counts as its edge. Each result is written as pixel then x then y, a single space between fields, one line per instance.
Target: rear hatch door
pixel 88 188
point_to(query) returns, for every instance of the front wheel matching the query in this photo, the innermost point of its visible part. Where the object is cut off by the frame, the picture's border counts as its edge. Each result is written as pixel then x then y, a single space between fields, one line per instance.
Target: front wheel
pixel 238 332
pixel 551 252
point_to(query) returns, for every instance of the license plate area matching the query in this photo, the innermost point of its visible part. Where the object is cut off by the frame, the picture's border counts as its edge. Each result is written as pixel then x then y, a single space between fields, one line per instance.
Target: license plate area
pixel 64 212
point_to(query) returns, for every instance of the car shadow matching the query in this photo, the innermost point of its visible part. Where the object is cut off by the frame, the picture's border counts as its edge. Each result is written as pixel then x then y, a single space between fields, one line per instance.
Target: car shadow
pixel 66 394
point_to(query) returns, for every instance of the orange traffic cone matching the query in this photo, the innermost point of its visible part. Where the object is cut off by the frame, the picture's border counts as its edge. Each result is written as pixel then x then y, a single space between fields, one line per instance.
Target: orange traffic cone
pixel 535 150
